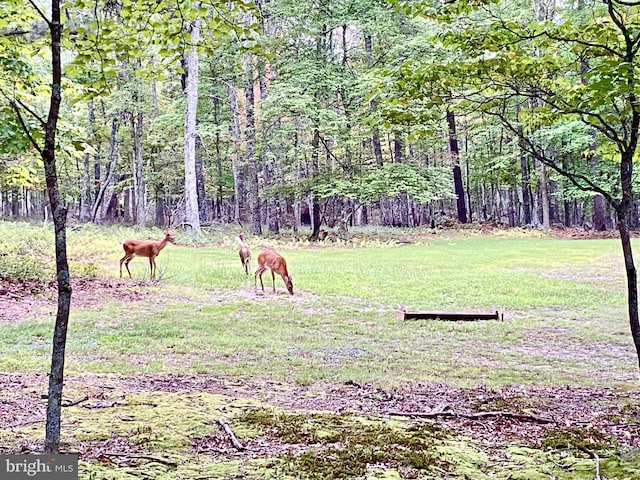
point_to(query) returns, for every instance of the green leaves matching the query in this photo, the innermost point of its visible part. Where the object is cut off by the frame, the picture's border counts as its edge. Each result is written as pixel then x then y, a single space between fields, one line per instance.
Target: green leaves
pixel 391 179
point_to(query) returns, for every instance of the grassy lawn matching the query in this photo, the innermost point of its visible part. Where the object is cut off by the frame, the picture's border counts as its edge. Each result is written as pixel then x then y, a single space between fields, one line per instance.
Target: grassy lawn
pixel 563 301
pixel 564 306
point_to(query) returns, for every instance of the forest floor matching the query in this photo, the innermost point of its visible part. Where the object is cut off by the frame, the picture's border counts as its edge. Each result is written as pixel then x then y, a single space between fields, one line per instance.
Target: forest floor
pixel 493 417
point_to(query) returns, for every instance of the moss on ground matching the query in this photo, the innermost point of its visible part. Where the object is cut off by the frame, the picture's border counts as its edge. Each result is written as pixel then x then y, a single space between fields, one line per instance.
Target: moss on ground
pixel 168 435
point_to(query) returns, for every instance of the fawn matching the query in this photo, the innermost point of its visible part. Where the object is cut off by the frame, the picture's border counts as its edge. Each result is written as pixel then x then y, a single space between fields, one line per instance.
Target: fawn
pixel 244 252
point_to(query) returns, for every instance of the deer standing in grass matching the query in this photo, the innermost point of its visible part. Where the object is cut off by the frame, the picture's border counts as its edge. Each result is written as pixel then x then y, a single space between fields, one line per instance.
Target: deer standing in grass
pixel 244 252
pixel 144 248
pixel 270 260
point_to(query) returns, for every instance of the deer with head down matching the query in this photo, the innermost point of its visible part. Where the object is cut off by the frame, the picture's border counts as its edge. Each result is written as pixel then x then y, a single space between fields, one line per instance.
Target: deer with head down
pixel 144 248
pixel 244 252
pixel 270 260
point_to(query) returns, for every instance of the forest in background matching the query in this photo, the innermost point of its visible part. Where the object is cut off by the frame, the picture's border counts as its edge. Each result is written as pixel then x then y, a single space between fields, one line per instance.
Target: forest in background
pixel 333 113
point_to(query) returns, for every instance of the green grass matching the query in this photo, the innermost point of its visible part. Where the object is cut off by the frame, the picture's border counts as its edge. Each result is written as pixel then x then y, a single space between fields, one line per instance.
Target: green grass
pixel 564 304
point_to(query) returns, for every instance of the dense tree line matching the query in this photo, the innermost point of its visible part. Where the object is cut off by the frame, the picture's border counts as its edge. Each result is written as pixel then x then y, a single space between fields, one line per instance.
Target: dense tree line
pixel 300 116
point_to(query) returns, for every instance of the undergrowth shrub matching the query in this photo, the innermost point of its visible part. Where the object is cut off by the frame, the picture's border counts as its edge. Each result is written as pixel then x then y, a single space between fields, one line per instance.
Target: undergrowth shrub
pixel 26 253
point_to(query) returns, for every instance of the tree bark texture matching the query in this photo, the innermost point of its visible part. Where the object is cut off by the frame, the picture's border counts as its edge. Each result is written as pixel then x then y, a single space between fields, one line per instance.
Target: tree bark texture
pixel 457 172
pixel 56 375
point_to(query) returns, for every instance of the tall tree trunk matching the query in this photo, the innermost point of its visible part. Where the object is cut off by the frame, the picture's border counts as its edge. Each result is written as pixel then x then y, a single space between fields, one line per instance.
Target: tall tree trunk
pixel 59 210
pixel 567 205
pixel 139 189
pixel 271 202
pixel 237 164
pixel 255 225
pixel 112 160
pixel 160 221
pixel 202 199
pixel 301 174
pixel 398 147
pixel 525 187
pixel 623 210
pixel 544 197
pixel 85 194
pixel 457 172
pixel 375 133
pixel 313 200
pixel 192 213
pixel 215 103
pixel 599 221
pixel 632 277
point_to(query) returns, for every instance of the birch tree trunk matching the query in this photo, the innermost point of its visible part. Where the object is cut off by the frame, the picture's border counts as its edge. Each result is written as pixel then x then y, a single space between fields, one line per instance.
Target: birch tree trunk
pixel 85 195
pixel 139 188
pixel 192 213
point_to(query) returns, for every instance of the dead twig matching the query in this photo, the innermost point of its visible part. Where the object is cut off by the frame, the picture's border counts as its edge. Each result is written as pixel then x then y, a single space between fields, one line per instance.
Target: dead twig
pixel 444 472
pixel 596 460
pixel 475 416
pixel 164 461
pixel 76 402
pixel 225 426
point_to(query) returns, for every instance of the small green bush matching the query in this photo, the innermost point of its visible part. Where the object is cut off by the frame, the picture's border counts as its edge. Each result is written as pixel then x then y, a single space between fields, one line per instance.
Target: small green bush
pixel 26 253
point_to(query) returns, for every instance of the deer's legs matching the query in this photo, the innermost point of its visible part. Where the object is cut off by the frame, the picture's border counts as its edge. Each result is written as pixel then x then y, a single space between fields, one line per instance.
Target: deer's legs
pixel 126 259
pixel 258 273
pixel 152 265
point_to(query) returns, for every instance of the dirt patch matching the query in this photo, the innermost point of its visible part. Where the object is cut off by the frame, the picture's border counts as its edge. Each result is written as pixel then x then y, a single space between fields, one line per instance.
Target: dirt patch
pixel 34 299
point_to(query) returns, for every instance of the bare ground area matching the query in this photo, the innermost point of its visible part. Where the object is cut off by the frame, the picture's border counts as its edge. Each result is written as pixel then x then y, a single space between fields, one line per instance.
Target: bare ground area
pixel 31 299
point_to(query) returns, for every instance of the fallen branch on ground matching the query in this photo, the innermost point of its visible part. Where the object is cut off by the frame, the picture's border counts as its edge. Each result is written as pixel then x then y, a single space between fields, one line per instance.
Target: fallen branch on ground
pixel 76 402
pixel 225 426
pixel 164 461
pixel 475 416
pixel 596 459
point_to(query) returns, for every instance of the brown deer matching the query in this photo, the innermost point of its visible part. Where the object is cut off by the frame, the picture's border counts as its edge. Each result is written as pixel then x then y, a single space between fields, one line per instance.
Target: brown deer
pixel 144 248
pixel 270 260
pixel 244 252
